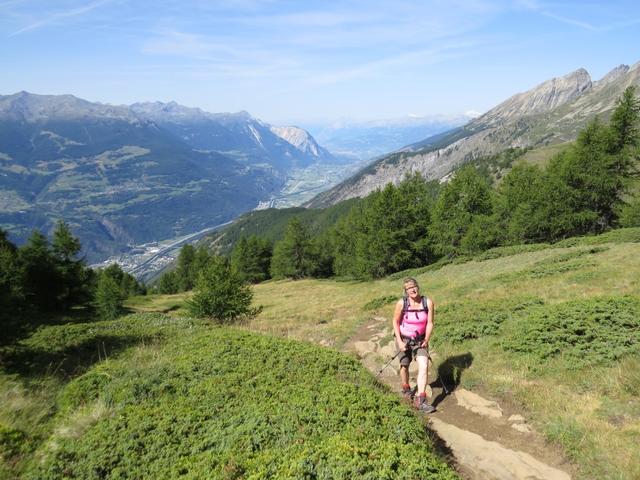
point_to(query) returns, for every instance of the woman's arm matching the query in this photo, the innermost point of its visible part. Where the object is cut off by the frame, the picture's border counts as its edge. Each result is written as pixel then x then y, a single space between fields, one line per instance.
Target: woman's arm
pixel 430 318
pixel 397 316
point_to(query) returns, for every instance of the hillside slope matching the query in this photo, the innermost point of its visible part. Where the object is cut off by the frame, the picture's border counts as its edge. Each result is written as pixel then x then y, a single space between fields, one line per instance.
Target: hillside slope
pixel 553 112
pixel 176 398
pixel 123 176
pixel 552 329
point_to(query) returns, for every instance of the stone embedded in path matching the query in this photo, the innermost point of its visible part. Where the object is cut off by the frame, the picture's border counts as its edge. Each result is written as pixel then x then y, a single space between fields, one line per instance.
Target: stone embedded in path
pixel 522 427
pixel 477 404
pixel 389 350
pixel 516 418
pixel 365 348
pixel 492 461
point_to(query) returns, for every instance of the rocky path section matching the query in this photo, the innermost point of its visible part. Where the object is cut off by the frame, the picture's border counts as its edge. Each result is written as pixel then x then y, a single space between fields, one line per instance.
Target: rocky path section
pixel 489 441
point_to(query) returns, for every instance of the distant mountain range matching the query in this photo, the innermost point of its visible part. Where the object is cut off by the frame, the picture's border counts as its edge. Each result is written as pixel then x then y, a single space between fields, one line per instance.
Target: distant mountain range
pixel 551 113
pixel 370 139
pixel 124 175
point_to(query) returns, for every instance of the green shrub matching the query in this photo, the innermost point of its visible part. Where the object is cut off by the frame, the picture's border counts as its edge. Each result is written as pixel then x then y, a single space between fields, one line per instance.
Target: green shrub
pixel 220 293
pixel 581 332
pixel 621 235
pixel 460 321
pixel 109 297
pixel 376 303
pixel 223 403
pixel 565 262
pixel 499 252
pixel 12 442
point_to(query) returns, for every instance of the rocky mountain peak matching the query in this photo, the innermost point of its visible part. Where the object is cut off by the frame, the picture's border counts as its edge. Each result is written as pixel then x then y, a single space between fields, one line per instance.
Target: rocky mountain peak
pixel 540 99
pixel 160 111
pixel 302 140
pixel 613 75
pixel 33 108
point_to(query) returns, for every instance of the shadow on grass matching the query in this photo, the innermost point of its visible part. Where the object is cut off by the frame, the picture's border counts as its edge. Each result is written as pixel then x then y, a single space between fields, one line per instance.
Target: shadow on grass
pixel 70 361
pixel 20 325
pixel 450 374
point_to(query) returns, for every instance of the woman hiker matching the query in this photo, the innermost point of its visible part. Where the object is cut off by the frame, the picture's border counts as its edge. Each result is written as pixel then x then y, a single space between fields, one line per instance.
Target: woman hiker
pixel 412 324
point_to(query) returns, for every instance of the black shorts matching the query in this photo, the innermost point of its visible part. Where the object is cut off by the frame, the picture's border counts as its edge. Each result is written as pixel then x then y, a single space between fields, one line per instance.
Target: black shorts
pixel 408 355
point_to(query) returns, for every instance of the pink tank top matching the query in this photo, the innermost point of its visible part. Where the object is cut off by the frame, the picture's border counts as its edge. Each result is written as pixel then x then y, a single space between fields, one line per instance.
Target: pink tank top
pixel 414 322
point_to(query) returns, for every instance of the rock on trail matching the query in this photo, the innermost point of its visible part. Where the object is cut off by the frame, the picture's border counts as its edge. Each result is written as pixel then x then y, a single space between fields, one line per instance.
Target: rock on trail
pixel 491 460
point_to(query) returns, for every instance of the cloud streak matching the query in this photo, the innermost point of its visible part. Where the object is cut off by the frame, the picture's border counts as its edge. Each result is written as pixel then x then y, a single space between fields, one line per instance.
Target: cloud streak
pixel 541 9
pixel 57 17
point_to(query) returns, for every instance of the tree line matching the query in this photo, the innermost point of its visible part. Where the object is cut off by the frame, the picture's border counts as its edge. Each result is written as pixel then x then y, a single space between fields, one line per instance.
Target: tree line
pixel 48 277
pixel 588 188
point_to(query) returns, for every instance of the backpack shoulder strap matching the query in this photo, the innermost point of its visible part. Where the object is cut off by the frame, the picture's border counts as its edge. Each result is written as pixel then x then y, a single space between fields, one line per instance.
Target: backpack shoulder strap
pixel 405 307
pixel 424 303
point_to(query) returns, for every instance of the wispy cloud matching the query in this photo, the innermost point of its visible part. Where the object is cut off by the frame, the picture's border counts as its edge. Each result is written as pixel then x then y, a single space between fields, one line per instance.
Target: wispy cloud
pixel 324 47
pixel 394 63
pixel 546 11
pixel 60 16
pixel 569 21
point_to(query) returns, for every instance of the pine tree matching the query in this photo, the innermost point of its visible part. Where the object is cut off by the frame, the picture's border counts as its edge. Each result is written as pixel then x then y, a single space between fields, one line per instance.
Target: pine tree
pixel 109 297
pixel 467 196
pixel 518 206
pixel 220 293
pixel 185 271
pixel 41 280
pixel 168 283
pixel 625 122
pixel 293 256
pixel 12 301
pixel 251 258
pixel 73 276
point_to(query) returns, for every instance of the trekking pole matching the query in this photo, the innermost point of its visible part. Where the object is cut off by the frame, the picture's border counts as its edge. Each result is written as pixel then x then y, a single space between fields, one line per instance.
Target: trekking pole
pixel 388 363
pixel 444 387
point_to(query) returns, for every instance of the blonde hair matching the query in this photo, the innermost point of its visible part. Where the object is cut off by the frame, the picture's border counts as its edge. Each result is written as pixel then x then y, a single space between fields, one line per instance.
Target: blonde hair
pixel 410 280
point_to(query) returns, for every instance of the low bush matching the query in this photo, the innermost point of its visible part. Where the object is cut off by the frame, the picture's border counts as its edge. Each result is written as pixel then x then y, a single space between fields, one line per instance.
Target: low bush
pixel 582 332
pixel 379 302
pixel 510 250
pixel 565 262
pixel 620 235
pixel 460 321
pixel 223 403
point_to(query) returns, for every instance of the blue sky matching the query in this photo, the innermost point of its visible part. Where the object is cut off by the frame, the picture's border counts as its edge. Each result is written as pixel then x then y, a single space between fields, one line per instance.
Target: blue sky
pixel 306 61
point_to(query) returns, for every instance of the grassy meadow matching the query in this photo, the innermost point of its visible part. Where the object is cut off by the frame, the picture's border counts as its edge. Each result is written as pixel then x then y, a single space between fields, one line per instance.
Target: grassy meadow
pixel 553 328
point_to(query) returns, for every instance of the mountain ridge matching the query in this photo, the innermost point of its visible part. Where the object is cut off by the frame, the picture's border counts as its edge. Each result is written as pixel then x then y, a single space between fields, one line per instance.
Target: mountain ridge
pixel 126 175
pixel 561 107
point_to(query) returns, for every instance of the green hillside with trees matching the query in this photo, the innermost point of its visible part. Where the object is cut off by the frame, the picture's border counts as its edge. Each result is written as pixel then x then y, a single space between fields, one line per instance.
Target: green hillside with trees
pixel 587 187
pixel 535 282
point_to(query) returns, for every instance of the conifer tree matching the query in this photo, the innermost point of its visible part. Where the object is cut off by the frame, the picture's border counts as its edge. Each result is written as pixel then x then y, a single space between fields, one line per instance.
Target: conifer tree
pixel 220 293
pixel 12 301
pixel 185 269
pixel 168 283
pixel 41 280
pixel 466 197
pixel 625 122
pixel 293 256
pixel 251 258
pixel 73 276
pixel 109 297
pixel 519 206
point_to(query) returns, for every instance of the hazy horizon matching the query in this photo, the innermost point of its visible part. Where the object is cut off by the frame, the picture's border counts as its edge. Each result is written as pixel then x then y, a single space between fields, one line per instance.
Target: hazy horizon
pixel 312 63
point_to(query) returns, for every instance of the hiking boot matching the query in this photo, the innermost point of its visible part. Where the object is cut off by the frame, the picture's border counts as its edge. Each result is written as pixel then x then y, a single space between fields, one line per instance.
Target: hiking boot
pixel 407 393
pixel 422 405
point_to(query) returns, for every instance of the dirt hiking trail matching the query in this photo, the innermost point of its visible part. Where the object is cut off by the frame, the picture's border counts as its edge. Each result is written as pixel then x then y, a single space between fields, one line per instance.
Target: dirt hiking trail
pixel 487 440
